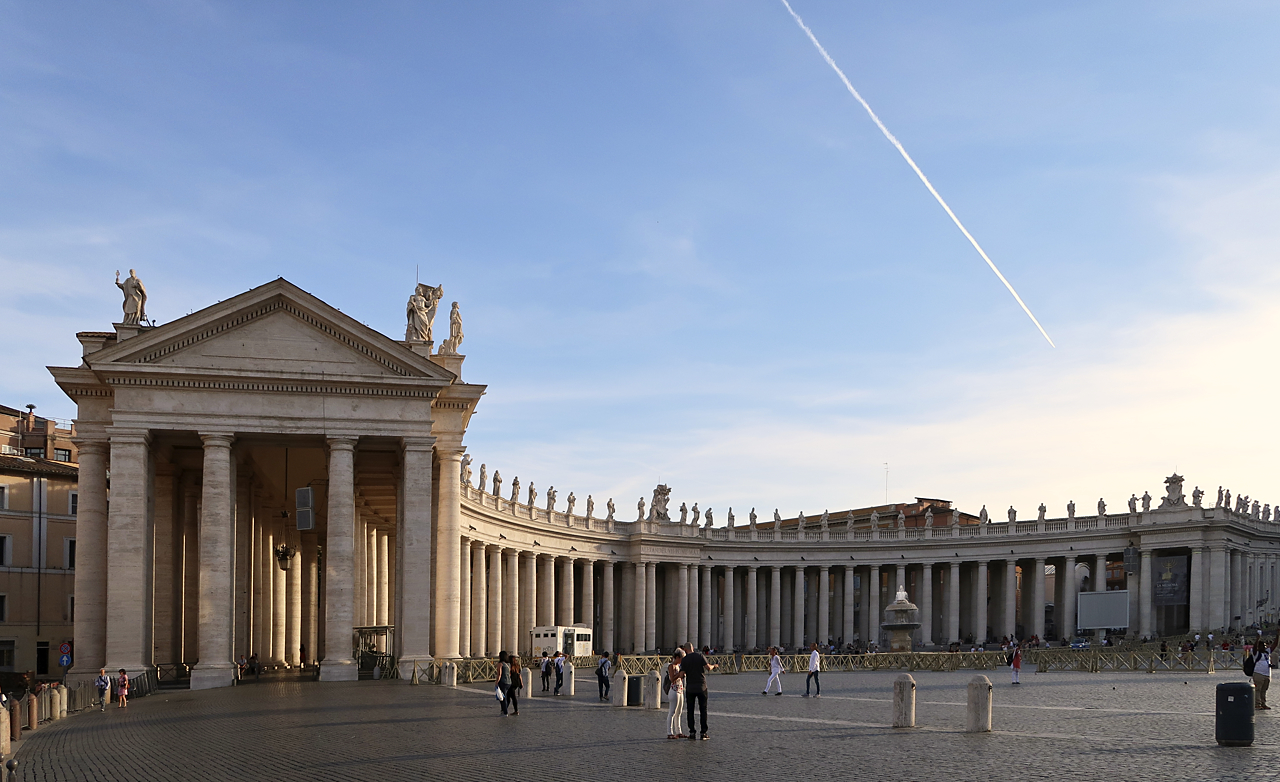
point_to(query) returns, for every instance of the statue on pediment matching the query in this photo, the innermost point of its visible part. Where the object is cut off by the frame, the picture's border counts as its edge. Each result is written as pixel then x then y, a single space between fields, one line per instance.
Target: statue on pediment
pixel 421 312
pixel 1133 503
pixel 640 507
pixel 1102 508
pixel 777 519
pixel 955 517
pixel 533 495
pixel 1013 514
pixel 875 518
pixel 800 521
pixel 825 519
pixel 450 346
pixel 902 520
pixel 497 483
pixel 135 298
pixel 928 516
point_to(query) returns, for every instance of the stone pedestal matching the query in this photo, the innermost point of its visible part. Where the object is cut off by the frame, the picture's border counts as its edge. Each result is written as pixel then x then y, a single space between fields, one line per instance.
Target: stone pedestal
pixel 901 618
pixel 904 702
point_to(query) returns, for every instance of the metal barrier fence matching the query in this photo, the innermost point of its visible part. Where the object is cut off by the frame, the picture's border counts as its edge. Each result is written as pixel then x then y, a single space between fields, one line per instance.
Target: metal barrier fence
pixel 1150 660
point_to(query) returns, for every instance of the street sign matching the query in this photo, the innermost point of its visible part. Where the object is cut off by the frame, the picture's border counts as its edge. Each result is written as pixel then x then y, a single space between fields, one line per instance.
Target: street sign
pixel 65 660
pixel 65 648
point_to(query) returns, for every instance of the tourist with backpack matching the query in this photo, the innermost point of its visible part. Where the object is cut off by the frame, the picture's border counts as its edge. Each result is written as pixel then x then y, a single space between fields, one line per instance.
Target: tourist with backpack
pixel 602 675
pixel 673 688
pixel 103 683
pixel 1258 667
pixel 559 665
pixel 546 672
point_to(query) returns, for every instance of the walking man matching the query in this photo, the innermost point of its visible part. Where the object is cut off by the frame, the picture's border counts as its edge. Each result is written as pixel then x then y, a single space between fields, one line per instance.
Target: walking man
pixel 1261 675
pixel 546 672
pixel 815 665
pixel 602 675
pixel 103 683
pixel 559 663
pixel 694 666
pixel 775 671
pixel 1015 662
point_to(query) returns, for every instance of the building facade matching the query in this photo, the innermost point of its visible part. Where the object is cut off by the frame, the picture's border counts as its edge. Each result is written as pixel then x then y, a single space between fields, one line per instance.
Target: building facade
pixel 199 551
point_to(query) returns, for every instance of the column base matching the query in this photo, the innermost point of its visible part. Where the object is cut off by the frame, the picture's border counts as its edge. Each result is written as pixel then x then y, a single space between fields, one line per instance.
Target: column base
pixel 207 677
pixel 338 671
pixel 406 664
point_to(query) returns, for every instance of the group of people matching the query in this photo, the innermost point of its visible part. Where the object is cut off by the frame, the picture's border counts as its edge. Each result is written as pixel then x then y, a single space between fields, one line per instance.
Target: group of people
pixel 103 683
pixel 685 684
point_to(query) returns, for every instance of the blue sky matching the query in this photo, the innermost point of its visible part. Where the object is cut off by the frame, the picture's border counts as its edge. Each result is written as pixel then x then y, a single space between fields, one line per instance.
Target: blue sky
pixel 682 251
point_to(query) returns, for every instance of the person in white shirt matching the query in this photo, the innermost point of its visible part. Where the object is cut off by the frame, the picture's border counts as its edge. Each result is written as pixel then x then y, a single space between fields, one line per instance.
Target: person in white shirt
pixel 815 665
pixel 775 671
pixel 1261 675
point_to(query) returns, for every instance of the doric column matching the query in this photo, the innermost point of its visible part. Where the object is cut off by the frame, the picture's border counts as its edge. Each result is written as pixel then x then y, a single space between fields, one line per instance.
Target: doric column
pixel 873 605
pixel 694 601
pixel 926 603
pixel 479 604
pixel 216 667
pixel 900 580
pixel 191 572
pixel 166 570
pixel 953 603
pixel 413 608
pixel 704 614
pixel 775 606
pixel 546 591
pixel 359 571
pixel 243 543
pixel 293 610
pixel 384 578
pixel 371 578
pixel 810 605
pixel 1215 593
pixel 264 589
pixel 91 560
pixel 310 596
pixel 129 556
pixel 608 636
pixel 980 603
pixel 1145 597
pixel 279 602
pixel 1237 590
pixel 564 602
pixel 447 610
pixel 495 601
pixel 510 602
pixel 846 625
pixel 730 612
pixel 1067 619
pixel 589 596
pixel 797 608
pixel 682 605
pixel 824 605
pixel 1196 613
pixel 651 605
pixel 638 613
pixel 464 600
pixel 751 641
pixel 339 563
pixel 1037 602
pixel 864 609
pixel 528 599
pixel 626 618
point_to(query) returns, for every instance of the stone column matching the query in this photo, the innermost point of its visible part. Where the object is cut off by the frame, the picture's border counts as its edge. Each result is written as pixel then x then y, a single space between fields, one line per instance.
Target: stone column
pixel 824 605
pixel 730 626
pixel 465 630
pixel 694 601
pixel 925 602
pixel 1037 603
pixel 371 577
pixel 168 568
pixel 873 605
pixel 751 641
pixel 479 604
pixel 510 602
pixel 846 625
pixel 264 591
pixel 359 571
pixel 810 605
pixel 589 596
pixel 91 561
pixel 243 543
pixel 651 605
pixel 1216 589
pixel 900 580
pixel 129 554
pixel 705 619
pixel 682 605
pixel 310 595
pixel 339 563
pixel 494 644
pixel 279 602
pixel 609 638
pixel 626 619
pixel 953 602
pixel 383 605
pixel 638 613
pixel 413 577
pixel 293 612
pixel 797 608
pixel 775 606
pixel 528 599
pixel 864 609
pixel 564 602
pixel 1196 612
pixel 191 571
pixel 980 603
pixel 1067 618
pixel 448 539
pixel 1237 591
pixel 1145 596
pixel 546 591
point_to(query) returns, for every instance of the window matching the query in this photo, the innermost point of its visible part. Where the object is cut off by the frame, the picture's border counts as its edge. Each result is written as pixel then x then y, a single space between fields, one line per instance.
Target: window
pixel 35 453
pixel 42 658
pixel 69 553
pixel 4 610
pixel 71 608
pixel 73 503
pixel 62 454
pixel 4 497
pixel 7 655
pixel 6 552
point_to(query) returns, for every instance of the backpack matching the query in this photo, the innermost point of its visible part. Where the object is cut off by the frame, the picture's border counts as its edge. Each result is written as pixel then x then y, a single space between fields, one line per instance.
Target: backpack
pixel 666 684
pixel 1249 665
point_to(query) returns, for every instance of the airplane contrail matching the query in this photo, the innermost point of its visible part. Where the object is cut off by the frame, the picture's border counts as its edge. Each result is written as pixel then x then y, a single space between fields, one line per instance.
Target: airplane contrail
pixel 914 167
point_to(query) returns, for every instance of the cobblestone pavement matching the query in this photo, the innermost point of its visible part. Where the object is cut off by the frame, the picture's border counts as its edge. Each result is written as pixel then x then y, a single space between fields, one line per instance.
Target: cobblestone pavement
pixel 1061 726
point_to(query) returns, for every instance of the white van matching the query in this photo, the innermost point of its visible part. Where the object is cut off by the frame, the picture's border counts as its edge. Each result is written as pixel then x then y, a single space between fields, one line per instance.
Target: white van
pixel 574 641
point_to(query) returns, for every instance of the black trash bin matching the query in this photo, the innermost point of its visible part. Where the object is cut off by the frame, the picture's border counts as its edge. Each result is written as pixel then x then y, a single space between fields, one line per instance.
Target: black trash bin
pixel 1233 726
pixel 635 693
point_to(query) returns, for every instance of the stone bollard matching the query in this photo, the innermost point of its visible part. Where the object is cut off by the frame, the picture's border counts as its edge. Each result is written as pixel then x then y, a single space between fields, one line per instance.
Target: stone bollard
pixel 5 743
pixel 568 676
pixel 904 702
pixel 449 674
pixel 977 717
pixel 526 679
pixel 618 690
pixel 63 697
pixel 55 704
pixel 33 712
pixel 15 719
pixel 652 690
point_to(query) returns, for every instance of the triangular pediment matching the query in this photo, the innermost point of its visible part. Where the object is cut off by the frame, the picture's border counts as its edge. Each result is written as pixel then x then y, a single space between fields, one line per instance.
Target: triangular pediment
pixel 276 329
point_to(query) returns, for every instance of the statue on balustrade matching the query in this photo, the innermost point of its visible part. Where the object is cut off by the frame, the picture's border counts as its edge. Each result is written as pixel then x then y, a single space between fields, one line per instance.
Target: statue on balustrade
pixel 640 507
pixel 729 519
pixel 1042 510
pixel 752 519
pixel 658 508
pixel 1071 509
pixel 1266 512
pixel 983 516
pixel 824 520
pixel 697 514
pixel 1256 510
pixel 1146 501
pixel 450 346
pixel 515 490
pixel 533 495
pixel 928 516
pixel 484 481
pixel 955 517
pixel 902 520
pixel 421 312
pixel 572 500
pixel 591 506
pixel 497 483
pixel 684 513
pixel 1102 508
pixel 1197 497
pixel 800 521
pixel 1013 514
pixel 777 519
pixel 465 472
pixel 708 517
pixel 1218 504
pixel 551 500
pixel 135 299
pixel 875 519
pixel 1173 497
pixel 1133 503
pixel 611 508
pixel 1226 499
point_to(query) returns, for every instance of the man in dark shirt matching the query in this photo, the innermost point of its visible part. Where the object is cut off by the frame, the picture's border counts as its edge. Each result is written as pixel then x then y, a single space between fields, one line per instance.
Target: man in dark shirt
pixel 695 667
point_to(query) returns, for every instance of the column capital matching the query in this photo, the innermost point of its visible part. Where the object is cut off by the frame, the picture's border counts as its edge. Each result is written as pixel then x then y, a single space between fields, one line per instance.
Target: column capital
pixel 95 445
pixel 217 439
pixel 417 443
pixel 132 436
pixel 341 443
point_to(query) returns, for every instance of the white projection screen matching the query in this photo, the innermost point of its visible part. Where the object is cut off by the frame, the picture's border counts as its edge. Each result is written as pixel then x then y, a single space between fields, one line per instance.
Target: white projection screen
pixel 1103 610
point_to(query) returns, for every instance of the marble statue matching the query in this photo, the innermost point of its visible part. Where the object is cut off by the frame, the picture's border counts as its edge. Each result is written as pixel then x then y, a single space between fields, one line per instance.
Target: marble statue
pixel 610 506
pixel 450 346
pixel 1013 514
pixel 591 507
pixel 497 483
pixel 1197 497
pixel 1133 503
pixel 1266 512
pixel 708 517
pixel 465 471
pixel 1040 512
pixel 928 516
pixel 533 495
pixel 1071 509
pixel 135 299
pixel 1173 497
pixel 551 499
pixel 658 507
pixel 901 596
pixel 484 482
pixel 823 521
pixel 697 514
pixel 421 312
pixel 1146 501
pixel 515 490
pixel 1226 500
pixel 983 516
pixel 875 518
pixel 1102 508
pixel 1219 502
pixel 684 513
pixel 729 520
pixel 640 507
pixel 1256 510
pixel 777 518
pixel 752 518
pixel 572 500
pixel 902 520
pixel 800 521
pixel 955 517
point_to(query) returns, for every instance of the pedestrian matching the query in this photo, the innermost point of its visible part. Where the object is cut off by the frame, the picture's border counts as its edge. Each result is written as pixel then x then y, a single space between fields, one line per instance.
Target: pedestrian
pixel 517 684
pixel 1261 676
pixel 775 671
pixel 122 689
pixel 546 672
pixel 694 666
pixel 815 665
pixel 502 682
pixel 103 683
pixel 675 695
pixel 559 664
pixel 602 675
pixel 1015 662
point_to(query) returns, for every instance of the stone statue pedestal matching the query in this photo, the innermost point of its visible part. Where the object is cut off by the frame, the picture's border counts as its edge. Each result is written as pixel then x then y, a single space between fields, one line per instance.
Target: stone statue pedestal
pixel 901 618
pixel 452 363
pixel 421 347
pixel 126 330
